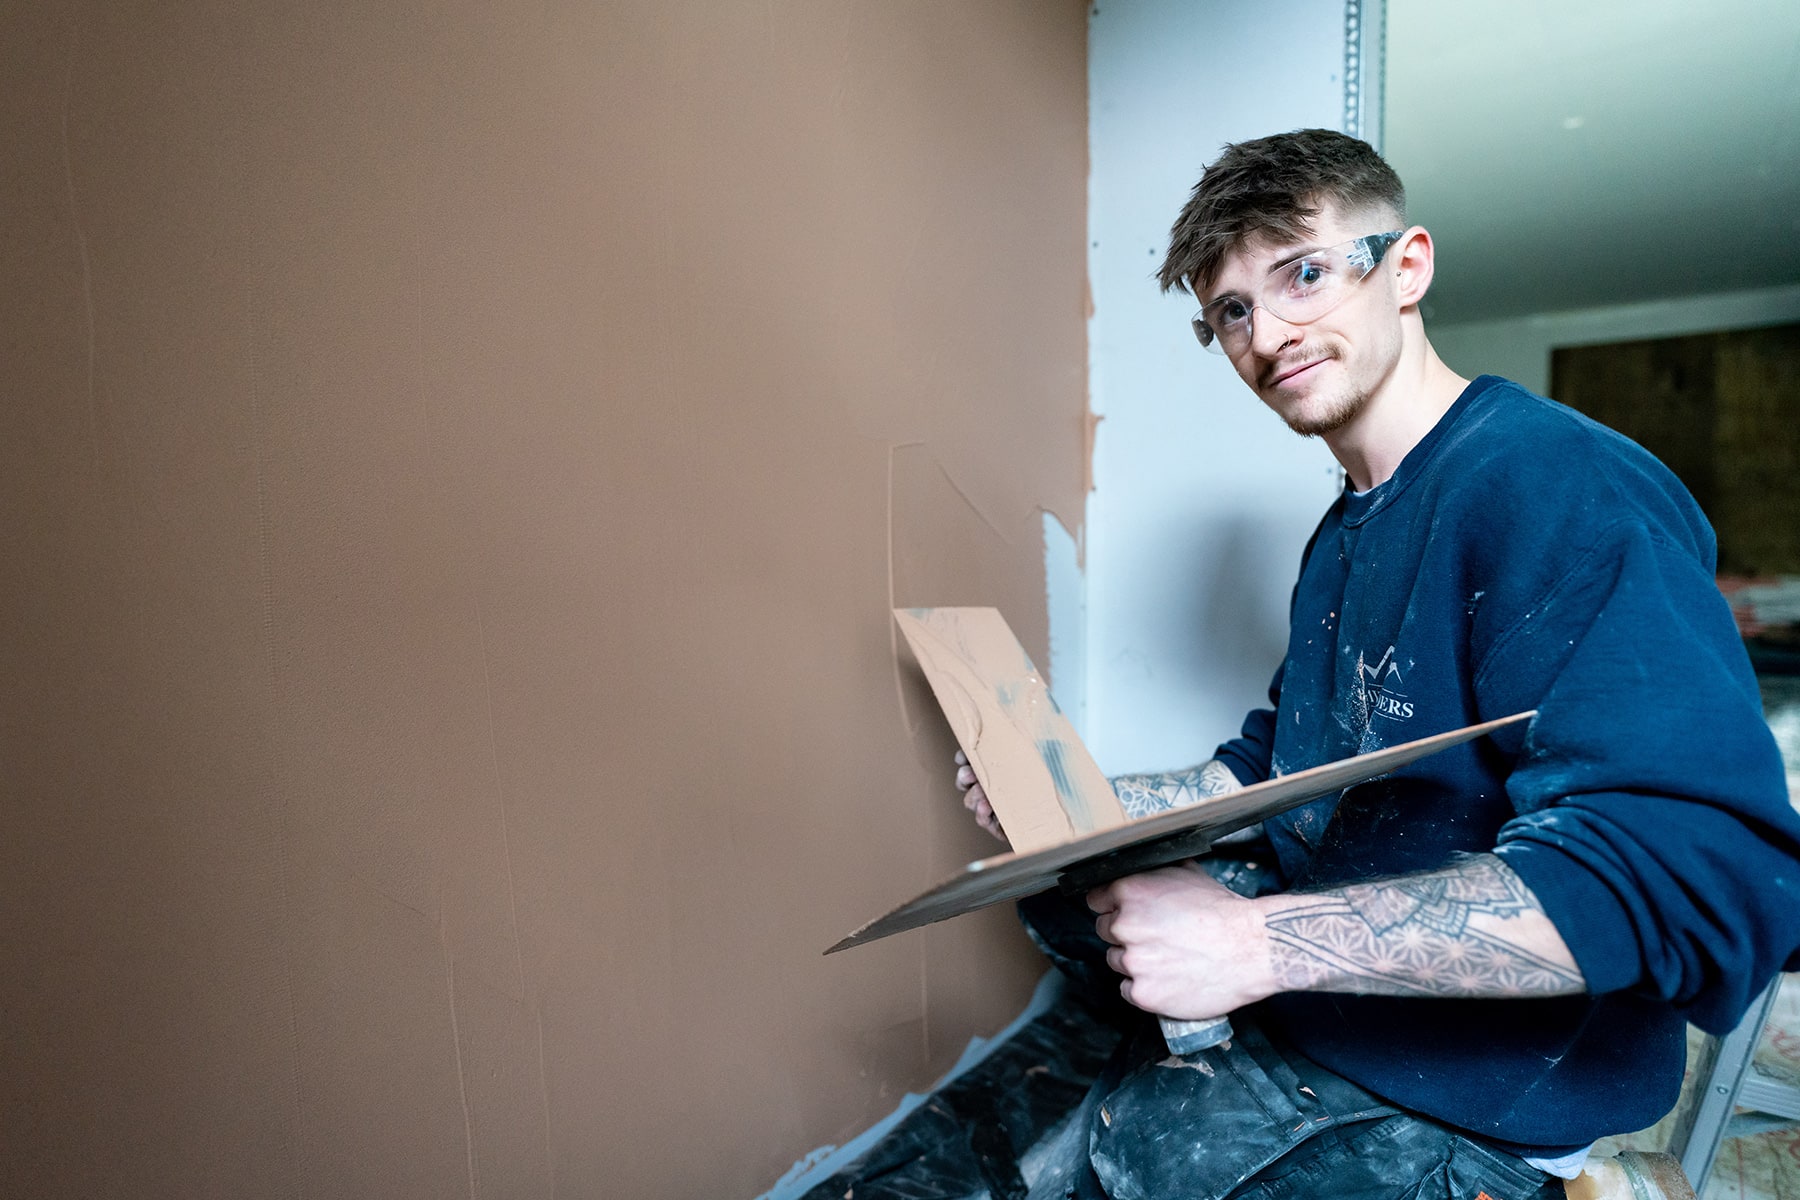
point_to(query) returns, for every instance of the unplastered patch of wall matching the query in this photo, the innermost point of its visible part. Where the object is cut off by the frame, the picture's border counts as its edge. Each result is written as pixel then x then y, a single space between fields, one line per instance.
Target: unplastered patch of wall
pixel 458 467
pixel 1203 499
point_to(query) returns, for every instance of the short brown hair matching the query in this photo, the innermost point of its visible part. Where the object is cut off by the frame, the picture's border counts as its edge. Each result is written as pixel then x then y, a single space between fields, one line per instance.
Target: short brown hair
pixel 1274 186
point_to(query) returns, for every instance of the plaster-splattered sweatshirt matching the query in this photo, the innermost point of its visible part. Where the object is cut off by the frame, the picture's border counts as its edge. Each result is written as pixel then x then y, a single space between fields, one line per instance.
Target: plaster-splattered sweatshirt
pixel 1525 557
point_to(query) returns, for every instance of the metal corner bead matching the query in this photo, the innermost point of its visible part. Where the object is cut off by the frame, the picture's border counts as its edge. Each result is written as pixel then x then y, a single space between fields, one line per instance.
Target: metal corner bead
pixel 1353 67
pixel 1364 34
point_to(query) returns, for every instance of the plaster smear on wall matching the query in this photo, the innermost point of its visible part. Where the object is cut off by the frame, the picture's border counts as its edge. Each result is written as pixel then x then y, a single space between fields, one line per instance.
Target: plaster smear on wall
pixel 458 467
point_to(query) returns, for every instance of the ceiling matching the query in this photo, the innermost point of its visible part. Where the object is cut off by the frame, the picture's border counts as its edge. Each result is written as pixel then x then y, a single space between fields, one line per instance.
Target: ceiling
pixel 1575 154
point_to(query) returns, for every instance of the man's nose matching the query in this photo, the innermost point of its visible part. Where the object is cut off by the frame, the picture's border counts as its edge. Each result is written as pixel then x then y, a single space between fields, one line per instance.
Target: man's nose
pixel 1269 334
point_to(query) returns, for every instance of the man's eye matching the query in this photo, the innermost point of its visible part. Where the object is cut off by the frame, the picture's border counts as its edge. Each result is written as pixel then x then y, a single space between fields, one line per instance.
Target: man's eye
pixel 1229 312
pixel 1307 274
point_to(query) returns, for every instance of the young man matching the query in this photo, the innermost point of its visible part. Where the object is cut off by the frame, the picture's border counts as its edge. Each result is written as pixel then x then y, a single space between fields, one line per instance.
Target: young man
pixel 1472 968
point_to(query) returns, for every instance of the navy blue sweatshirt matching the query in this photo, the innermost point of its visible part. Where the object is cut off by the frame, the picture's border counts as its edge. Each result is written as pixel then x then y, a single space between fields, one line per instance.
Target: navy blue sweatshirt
pixel 1524 556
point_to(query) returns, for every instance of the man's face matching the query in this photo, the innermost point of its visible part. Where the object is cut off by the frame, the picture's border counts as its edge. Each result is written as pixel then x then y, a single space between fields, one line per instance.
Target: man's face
pixel 1320 376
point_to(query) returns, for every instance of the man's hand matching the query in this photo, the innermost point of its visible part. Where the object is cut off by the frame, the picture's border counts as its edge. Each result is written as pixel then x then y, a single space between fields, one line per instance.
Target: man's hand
pixel 1189 947
pixel 1139 795
pixel 974 799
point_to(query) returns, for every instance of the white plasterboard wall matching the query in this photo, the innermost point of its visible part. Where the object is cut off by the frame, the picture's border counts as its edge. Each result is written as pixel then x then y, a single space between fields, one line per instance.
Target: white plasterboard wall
pixel 1519 347
pixel 1203 500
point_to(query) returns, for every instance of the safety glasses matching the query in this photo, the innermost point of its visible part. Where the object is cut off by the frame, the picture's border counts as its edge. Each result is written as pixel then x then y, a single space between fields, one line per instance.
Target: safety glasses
pixel 1299 290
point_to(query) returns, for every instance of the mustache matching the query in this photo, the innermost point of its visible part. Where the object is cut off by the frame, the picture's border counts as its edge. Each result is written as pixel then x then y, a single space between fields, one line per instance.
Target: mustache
pixel 1282 367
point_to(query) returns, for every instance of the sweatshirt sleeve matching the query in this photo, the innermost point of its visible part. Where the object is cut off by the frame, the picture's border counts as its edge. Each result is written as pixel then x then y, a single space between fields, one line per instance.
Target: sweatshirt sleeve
pixel 1654 823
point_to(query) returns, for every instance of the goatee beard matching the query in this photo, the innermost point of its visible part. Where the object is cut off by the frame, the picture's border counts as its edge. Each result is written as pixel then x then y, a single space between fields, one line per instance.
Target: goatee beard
pixel 1332 419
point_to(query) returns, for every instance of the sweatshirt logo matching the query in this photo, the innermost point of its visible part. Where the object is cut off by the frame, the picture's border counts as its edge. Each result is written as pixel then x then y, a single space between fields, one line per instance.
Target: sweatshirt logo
pixel 1381 684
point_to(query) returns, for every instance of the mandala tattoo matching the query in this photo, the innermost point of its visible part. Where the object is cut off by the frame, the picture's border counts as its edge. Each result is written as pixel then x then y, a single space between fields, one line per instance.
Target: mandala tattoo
pixel 1424 935
pixel 1142 795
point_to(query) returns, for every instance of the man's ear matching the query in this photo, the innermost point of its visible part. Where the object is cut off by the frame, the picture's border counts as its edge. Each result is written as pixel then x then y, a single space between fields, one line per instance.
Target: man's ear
pixel 1411 260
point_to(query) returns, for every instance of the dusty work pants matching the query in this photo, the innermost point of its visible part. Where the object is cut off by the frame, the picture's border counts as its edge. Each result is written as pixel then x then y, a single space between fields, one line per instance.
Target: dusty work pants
pixel 1250 1120
pixel 1253 1121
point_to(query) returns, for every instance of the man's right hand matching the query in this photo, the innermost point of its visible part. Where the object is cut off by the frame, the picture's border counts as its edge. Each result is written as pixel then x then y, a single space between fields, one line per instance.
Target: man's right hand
pixel 974 799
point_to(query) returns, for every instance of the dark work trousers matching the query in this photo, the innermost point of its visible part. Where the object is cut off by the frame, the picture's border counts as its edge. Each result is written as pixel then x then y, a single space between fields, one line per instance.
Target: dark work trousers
pixel 1252 1119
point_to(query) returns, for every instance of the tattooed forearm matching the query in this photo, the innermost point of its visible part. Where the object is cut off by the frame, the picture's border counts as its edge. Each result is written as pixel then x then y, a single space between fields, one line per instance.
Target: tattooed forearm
pixel 1471 929
pixel 1141 795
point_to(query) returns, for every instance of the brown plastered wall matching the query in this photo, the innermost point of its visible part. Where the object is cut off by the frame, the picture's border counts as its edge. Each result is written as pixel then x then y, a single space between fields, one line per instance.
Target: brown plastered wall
pixel 456 462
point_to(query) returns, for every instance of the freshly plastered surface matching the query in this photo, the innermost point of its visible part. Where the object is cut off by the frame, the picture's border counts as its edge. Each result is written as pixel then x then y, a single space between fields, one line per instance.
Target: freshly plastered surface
pixel 458 465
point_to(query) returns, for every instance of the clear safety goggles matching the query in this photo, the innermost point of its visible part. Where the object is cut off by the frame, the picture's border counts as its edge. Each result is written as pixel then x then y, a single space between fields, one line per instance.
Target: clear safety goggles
pixel 1300 290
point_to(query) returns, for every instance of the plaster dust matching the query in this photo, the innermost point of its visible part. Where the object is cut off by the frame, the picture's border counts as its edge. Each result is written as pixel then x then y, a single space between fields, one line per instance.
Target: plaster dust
pixel 449 698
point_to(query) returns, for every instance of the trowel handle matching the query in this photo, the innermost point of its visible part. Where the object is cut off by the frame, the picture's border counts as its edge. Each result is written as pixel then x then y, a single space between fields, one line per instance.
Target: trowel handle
pixel 1191 1037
